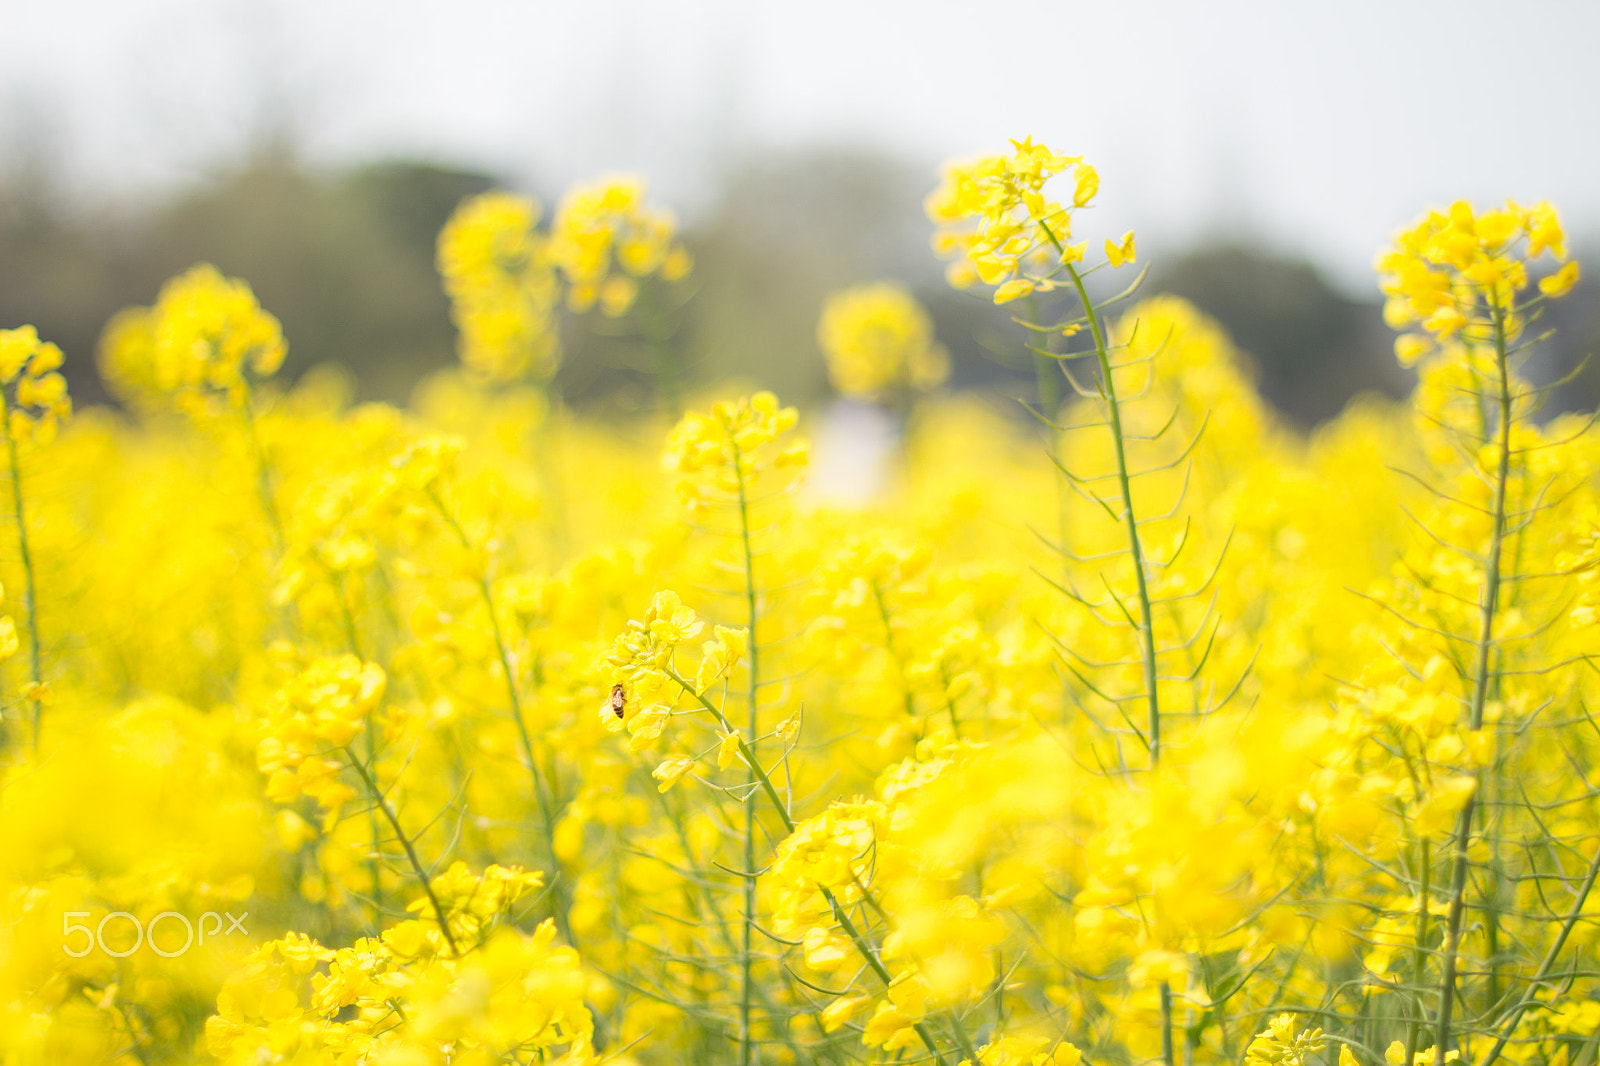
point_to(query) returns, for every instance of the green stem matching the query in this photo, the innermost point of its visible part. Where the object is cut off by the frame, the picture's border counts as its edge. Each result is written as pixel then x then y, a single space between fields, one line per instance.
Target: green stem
pixel 870 957
pixel 1482 678
pixel 1135 548
pixel 761 776
pixel 1048 376
pixel 29 595
pixel 746 1046
pixel 405 842
pixel 894 653
pixel 559 904
pixel 269 502
pixel 1045 372
pixel 1166 1023
pixel 1147 632
pixel 949 701
pixel 373 870
pixel 540 790
pixel 1419 951
pixel 353 640
pixel 1545 965
pixel 771 790
pixel 705 903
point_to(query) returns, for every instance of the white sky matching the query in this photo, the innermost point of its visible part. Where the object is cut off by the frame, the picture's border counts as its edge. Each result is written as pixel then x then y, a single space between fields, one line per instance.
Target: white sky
pixel 1316 129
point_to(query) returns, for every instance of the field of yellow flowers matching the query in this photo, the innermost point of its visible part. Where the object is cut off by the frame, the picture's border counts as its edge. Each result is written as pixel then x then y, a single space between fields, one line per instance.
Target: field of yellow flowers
pixel 480 732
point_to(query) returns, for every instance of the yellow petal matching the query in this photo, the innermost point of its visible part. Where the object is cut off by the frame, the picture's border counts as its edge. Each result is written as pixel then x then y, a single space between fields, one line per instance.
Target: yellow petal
pixel 1561 282
pixel 1013 289
pixel 728 750
pixel 671 769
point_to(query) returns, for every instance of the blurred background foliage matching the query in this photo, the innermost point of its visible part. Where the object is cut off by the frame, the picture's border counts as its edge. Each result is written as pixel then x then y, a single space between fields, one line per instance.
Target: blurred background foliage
pixel 346 260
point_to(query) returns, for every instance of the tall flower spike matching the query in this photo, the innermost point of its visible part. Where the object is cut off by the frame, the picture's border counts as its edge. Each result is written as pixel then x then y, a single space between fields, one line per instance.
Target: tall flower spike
pixel 997 225
pixel 878 341
pixel 729 450
pixel 1459 274
pixel 200 343
pixel 35 400
pixel 503 287
pixel 605 237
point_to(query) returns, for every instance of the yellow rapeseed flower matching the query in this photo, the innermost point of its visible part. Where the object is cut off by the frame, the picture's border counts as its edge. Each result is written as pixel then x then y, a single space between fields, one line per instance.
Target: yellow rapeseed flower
pixel 500 274
pixel 878 341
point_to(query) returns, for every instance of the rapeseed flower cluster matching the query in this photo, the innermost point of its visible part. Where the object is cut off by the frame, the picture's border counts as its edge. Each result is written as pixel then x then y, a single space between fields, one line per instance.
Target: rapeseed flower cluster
pixel 37 403
pixel 879 342
pixel 350 735
pixel 507 279
pixel 201 343
pixel 504 290
pixel 319 712
pixel 725 457
pixel 995 221
pixel 1460 274
pixel 605 238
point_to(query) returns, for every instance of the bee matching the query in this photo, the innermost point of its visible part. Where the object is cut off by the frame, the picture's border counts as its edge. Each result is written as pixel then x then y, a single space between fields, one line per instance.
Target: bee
pixel 619 700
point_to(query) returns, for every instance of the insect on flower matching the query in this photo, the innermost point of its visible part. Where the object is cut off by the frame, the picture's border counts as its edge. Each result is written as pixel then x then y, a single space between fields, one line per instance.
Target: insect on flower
pixel 619 700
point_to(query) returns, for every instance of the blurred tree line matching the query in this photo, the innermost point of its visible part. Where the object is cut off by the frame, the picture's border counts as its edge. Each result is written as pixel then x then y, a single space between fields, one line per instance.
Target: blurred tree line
pixel 345 260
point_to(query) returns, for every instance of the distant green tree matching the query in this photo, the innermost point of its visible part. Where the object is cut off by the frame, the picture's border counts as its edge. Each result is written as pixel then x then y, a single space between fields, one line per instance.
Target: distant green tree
pixel 344 260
